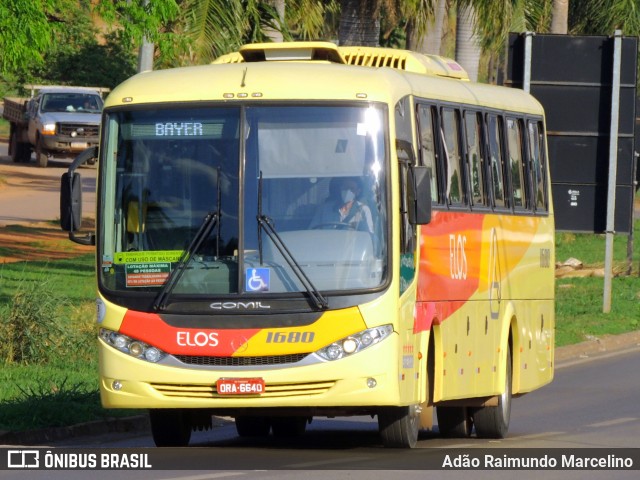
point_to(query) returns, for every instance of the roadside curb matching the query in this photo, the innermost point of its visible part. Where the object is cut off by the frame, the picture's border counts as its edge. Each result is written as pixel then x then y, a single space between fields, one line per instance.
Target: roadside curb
pixel 135 424
pixel 139 424
pixel 597 346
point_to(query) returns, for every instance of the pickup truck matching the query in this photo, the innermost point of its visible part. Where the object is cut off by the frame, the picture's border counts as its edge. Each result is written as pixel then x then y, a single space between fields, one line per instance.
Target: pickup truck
pixel 54 122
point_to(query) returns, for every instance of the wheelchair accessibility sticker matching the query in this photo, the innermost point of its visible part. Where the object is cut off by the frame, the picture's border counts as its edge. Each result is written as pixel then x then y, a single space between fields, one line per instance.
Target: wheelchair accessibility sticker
pixel 257 279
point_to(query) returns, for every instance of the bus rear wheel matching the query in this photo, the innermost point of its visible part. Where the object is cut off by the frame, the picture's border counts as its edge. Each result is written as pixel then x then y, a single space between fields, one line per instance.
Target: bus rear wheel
pixel 252 426
pixel 493 422
pixel 170 427
pixel 454 422
pixel 399 426
pixel 285 427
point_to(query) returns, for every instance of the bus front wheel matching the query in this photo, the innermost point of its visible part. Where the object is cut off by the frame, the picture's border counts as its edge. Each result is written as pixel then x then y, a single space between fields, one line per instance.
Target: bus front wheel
pixel 170 427
pixel 399 426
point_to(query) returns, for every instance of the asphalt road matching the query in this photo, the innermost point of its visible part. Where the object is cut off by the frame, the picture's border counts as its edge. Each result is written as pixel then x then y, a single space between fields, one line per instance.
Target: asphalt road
pixel 592 403
pixel 30 195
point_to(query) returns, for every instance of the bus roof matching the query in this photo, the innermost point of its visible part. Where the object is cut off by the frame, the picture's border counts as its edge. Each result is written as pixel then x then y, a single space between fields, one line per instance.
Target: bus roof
pixel 318 71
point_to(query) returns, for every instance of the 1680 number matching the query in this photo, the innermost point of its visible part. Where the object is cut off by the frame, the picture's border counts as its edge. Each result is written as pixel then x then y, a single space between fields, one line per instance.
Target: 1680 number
pixel 291 337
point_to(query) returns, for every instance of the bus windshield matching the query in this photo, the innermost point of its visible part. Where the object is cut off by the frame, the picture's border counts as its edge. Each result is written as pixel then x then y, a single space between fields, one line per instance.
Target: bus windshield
pixel 316 174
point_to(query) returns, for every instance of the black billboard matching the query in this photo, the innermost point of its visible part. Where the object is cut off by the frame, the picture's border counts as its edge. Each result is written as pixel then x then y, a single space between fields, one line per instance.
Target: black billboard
pixel 572 77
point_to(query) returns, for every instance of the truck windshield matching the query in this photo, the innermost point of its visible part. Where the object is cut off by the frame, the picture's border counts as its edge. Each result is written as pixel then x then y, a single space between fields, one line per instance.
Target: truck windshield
pixel 316 174
pixel 71 102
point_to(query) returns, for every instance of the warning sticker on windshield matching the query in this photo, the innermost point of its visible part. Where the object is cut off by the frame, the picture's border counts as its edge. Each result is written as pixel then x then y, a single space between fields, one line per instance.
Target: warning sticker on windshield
pixel 147 274
pixel 147 257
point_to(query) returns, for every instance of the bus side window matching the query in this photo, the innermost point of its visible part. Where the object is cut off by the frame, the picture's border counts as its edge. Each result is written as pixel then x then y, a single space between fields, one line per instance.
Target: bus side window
pixel 538 165
pixel 495 161
pixel 428 156
pixel 473 134
pixel 453 174
pixel 515 167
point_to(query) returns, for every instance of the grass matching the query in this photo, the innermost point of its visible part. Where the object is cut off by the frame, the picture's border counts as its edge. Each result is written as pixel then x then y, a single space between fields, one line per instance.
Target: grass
pixel 579 301
pixel 57 385
pixel 63 390
pixel 4 128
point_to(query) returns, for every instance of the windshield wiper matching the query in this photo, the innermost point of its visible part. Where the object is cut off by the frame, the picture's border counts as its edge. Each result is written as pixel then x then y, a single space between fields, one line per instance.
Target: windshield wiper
pixel 210 220
pixel 266 224
pixel 160 302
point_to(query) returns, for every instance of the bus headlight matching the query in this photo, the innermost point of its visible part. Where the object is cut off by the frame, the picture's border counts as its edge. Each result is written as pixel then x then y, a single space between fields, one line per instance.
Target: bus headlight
pixel 132 347
pixel 355 343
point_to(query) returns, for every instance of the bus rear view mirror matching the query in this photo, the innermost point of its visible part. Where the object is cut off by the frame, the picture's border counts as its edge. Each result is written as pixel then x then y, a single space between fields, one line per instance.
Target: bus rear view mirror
pixel 71 198
pixel 70 201
pixel 419 195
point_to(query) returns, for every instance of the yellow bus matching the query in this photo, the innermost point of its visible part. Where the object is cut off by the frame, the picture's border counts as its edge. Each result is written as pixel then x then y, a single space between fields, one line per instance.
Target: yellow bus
pixel 302 230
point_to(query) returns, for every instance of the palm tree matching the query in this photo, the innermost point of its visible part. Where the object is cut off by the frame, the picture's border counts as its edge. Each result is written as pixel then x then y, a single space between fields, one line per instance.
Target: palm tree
pixel 216 27
pixel 432 41
pixel 560 16
pixel 359 22
pixel 424 22
pixel 605 16
pixel 467 41
pixel 274 34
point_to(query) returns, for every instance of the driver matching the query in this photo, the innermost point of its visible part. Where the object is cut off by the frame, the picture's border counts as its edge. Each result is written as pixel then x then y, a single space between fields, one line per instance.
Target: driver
pixel 342 207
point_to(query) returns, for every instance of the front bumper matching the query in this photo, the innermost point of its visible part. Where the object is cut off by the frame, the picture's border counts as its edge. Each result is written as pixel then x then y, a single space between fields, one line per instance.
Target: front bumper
pixel 368 378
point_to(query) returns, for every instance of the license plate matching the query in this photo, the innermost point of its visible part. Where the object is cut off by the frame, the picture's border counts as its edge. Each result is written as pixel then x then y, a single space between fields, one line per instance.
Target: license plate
pixel 240 386
pixel 79 145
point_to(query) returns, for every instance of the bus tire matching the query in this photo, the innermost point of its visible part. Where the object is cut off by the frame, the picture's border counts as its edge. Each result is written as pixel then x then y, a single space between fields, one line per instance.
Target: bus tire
pixel 250 426
pixel 493 422
pixel 399 426
pixel 170 427
pixel 286 427
pixel 454 422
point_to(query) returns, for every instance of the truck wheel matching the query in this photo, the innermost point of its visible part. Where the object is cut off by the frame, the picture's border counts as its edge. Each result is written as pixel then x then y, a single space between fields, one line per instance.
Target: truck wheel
pixel 41 156
pixel 19 151
pixel 24 152
pixel 13 145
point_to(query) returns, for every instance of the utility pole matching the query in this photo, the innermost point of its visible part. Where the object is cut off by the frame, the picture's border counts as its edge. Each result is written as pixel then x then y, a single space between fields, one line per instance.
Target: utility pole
pixel 613 163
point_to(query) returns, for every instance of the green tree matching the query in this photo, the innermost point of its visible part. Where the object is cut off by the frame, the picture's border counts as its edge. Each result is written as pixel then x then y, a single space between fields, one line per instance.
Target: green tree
pixel 80 55
pixel 92 64
pixel 136 20
pixel 25 32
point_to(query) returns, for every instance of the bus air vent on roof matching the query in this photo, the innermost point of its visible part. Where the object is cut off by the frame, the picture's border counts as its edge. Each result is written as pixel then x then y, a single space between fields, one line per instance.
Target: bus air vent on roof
pixel 291 51
pixel 363 56
pixel 403 60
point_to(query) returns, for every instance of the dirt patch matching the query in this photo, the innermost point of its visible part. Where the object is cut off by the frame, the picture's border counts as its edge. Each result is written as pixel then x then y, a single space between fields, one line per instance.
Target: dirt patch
pixel 36 243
